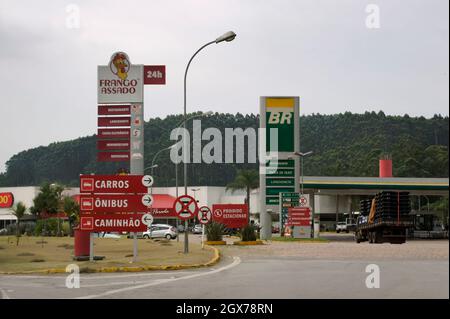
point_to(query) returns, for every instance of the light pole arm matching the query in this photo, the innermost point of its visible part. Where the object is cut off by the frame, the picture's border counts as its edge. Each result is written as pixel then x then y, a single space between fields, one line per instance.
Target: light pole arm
pixel 184 114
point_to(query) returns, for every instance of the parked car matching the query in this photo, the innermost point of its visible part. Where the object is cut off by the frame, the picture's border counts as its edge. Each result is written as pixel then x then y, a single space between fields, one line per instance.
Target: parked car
pixel 3 231
pixel 341 227
pixel 160 231
pixel 197 229
pixel 106 235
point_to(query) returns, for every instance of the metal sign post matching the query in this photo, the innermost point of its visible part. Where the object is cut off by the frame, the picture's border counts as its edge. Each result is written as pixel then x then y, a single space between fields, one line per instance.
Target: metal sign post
pixel 185 207
pixel 204 216
pixel 203 236
pixel 91 246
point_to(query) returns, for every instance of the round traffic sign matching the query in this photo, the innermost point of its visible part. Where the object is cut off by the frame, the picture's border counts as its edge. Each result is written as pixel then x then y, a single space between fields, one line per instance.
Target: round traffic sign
pixel 218 213
pixel 147 180
pixel 204 215
pixel 185 207
pixel 303 201
pixel 147 200
pixel 147 219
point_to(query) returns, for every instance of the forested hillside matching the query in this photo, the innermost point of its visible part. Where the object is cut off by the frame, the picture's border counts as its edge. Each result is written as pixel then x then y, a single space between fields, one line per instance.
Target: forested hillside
pixel 343 144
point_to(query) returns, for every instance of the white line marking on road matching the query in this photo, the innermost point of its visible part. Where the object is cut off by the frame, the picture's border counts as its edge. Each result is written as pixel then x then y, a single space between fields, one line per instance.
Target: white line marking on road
pixel 4 294
pixel 235 262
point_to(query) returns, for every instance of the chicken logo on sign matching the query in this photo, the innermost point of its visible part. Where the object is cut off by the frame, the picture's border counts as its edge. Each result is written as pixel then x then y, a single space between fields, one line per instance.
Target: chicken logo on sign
pixel 120 65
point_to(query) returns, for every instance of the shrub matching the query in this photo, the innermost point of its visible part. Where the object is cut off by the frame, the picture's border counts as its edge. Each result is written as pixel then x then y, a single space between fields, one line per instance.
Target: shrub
pixel 248 233
pixel 214 231
pixel 46 227
pixel 25 228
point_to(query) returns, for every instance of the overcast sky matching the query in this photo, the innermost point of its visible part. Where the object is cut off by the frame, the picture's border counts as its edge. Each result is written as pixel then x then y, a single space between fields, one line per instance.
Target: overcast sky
pixel 321 51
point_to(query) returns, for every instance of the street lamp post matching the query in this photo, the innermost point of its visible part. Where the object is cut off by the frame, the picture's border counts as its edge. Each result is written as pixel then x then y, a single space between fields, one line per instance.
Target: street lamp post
pixel 228 36
pixel 302 155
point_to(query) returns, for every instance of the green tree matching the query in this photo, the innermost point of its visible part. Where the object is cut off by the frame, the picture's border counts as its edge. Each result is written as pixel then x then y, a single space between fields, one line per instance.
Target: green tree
pixel 48 201
pixel 245 180
pixel 18 210
pixel 72 210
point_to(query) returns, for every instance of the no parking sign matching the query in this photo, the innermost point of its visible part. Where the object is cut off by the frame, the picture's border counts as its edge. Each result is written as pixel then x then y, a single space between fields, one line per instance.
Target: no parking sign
pixel 204 215
pixel 185 207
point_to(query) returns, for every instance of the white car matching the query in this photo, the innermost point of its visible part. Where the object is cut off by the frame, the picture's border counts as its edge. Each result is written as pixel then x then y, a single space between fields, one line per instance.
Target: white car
pixel 160 231
pixel 341 227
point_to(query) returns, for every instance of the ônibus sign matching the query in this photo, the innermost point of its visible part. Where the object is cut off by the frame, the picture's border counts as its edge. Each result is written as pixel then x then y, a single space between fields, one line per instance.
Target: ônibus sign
pixel 137 184
pixel 113 222
pixel 115 203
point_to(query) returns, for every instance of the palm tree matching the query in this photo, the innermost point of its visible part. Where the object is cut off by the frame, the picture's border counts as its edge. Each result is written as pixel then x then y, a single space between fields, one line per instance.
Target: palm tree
pixel 247 180
pixel 18 210
pixel 72 210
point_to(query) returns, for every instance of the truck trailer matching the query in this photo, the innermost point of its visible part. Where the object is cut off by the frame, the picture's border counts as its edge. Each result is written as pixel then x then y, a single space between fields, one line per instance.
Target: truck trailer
pixel 385 218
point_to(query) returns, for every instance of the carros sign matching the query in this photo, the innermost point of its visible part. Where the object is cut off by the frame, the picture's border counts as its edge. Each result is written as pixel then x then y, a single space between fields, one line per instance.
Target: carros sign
pixel 231 215
pixel 6 200
pixel 120 81
pixel 113 222
pixel 115 183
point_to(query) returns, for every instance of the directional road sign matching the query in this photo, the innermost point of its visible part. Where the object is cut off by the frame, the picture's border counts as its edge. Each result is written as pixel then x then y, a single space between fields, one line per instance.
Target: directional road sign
pixel 114 203
pixel 147 219
pixel 107 184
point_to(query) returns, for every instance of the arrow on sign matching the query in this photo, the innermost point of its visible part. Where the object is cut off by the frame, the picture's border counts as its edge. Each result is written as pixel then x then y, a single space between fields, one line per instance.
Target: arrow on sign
pixel 147 180
pixel 147 219
pixel 147 200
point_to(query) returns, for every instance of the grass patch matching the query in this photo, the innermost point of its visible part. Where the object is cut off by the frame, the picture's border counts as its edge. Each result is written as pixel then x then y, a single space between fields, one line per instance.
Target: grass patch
pixel 25 254
pixel 305 240
pixel 37 260
pixel 118 253
pixel 1 247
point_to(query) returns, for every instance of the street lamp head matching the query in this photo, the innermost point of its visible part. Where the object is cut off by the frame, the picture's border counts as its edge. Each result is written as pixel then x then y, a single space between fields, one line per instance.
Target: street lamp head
pixel 228 36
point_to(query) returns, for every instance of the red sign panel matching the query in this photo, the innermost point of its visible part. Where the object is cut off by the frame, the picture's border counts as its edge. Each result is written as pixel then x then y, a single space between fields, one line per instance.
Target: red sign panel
pixel 114 121
pixel 113 156
pixel 114 110
pixel 104 133
pixel 113 184
pixel 299 216
pixel 112 203
pixel 6 200
pixel 231 215
pixel 154 74
pixel 114 145
pixel 113 223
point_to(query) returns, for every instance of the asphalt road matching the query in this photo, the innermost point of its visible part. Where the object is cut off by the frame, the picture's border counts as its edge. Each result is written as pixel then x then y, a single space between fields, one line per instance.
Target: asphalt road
pixel 247 275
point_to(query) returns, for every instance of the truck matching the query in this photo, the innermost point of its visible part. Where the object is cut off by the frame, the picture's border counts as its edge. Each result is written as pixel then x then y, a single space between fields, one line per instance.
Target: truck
pixel 385 219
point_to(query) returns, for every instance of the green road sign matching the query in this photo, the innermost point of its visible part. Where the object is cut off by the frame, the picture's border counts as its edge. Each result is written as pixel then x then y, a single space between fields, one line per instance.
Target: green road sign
pixel 280 182
pixel 272 201
pixel 281 172
pixel 281 163
pixel 277 190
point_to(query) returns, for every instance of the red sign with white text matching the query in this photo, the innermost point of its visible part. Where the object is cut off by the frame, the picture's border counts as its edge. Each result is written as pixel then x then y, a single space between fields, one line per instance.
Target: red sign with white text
pixel 154 74
pixel 299 216
pixel 113 156
pixel 104 133
pixel 124 184
pixel 114 121
pixel 231 215
pixel 113 203
pixel 6 200
pixel 114 110
pixel 113 145
pixel 112 222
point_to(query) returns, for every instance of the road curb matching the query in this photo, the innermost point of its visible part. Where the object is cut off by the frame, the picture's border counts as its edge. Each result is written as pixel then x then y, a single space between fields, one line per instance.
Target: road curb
pixel 248 243
pixel 214 260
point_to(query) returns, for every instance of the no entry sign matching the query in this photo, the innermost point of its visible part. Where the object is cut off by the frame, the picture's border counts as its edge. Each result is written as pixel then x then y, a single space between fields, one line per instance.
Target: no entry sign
pixel 115 203
pixel 113 222
pixel 231 215
pixel 185 207
pixel 204 215
pixel 137 184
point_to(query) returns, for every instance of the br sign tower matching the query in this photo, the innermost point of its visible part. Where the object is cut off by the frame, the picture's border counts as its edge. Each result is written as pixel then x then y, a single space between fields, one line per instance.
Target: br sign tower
pixel 279 168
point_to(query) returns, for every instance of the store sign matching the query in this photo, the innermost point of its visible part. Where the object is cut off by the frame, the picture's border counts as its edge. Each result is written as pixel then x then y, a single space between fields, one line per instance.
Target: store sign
pixel 120 81
pixel 113 222
pixel 113 156
pixel 230 215
pixel 113 145
pixel 6 200
pixel 114 110
pixel 107 133
pixel 162 212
